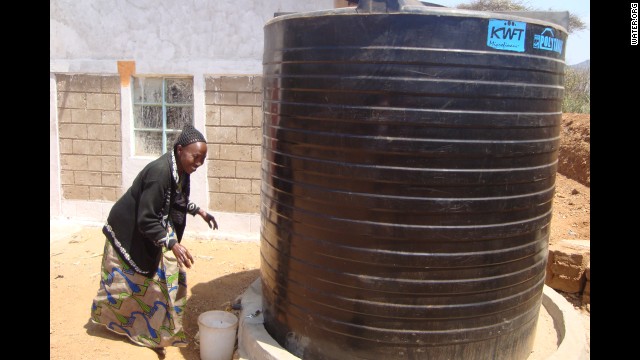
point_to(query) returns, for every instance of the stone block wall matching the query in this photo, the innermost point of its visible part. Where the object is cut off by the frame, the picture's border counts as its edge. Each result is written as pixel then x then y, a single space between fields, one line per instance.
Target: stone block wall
pixel 89 128
pixel 568 267
pixel 234 136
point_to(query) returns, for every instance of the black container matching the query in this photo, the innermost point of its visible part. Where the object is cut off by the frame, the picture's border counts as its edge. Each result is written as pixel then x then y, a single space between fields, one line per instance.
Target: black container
pixel 408 171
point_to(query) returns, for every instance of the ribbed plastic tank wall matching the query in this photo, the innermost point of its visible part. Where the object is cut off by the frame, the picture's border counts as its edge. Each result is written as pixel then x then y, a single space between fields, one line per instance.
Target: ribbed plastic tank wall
pixel 408 171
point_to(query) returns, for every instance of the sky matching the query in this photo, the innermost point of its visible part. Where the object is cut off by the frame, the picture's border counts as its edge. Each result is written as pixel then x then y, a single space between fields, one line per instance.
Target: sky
pixel 578 43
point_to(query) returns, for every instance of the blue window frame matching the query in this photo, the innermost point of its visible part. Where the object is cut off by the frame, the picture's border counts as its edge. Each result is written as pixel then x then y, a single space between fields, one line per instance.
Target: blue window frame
pixel 161 107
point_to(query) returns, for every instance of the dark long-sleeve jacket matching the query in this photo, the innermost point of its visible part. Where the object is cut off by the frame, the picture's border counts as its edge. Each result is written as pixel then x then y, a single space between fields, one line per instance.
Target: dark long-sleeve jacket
pixel 138 223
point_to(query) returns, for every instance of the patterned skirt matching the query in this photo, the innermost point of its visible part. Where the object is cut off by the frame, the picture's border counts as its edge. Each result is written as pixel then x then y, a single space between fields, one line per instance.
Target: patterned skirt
pixel 147 310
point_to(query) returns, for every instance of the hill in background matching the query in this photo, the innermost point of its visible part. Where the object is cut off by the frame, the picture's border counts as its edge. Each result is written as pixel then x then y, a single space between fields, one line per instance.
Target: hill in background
pixel 582 65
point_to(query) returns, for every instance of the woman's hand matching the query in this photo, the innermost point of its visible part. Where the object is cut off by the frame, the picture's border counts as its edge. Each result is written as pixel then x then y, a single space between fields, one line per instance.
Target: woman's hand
pixel 209 219
pixel 182 255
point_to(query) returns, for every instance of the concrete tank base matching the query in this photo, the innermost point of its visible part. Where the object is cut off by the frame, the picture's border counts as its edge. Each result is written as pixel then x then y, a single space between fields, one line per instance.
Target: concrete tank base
pixel 255 343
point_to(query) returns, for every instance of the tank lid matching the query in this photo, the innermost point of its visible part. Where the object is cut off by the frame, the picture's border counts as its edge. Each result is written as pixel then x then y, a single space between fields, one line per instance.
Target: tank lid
pixel 391 7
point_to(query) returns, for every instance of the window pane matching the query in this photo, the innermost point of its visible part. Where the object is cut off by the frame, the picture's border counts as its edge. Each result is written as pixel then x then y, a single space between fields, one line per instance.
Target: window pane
pixel 147 90
pixel 147 117
pixel 180 91
pixel 171 139
pixel 178 116
pixel 148 143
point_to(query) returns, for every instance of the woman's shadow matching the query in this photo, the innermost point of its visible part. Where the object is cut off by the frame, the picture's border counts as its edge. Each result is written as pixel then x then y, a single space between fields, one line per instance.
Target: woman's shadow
pixel 204 297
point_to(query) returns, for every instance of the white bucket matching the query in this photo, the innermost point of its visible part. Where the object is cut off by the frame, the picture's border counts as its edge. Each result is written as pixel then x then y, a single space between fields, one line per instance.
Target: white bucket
pixel 217 334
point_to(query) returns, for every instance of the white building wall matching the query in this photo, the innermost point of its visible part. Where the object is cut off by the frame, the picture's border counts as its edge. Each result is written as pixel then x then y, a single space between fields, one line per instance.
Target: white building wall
pixel 162 37
pixel 54 151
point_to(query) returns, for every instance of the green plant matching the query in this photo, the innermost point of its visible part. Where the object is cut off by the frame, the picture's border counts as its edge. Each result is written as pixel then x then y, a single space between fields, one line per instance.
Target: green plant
pixel 577 90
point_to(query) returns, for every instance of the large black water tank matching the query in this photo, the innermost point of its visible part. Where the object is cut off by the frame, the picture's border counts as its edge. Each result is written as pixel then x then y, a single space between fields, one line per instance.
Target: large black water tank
pixel 408 171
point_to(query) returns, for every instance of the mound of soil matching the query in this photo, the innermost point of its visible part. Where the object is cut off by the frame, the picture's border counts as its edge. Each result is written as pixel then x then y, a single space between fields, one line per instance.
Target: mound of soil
pixel 574 157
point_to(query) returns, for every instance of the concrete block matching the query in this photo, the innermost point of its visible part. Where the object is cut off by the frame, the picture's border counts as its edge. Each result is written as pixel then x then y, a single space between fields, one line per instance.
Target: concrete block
pixel 212 115
pixel 222 169
pixel 212 83
pixel 72 100
pixel 256 83
pixel 566 269
pixel 102 132
pixel 248 170
pixel 567 284
pixel 63 82
pixel 73 162
pixel 88 178
pixel 64 115
pixel 250 136
pixel 236 116
pixel 256 153
pixel 101 101
pixel 220 98
pixel 110 117
pixel 247 203
pixel 222 202
pixel 566 265
pixel 255 186
pixel 75 192
pixel 94 163
pixel 86 147
pixel 111 148
pixel 108 163
pixel 236 83
pixel 111 179
pixel 72 131
pixel 79 83
pixel 214 184
pixel 213 151
pixel 221 134
pixel 66 177
pixel 236 186
pixel 82 116
pixel 66 146
pixel 110 85
pixel 257 116
pixel 250 99
pixel 235 152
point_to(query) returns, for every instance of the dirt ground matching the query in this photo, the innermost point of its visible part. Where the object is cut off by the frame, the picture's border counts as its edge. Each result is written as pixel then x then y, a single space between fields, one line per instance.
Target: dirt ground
pixel 223 269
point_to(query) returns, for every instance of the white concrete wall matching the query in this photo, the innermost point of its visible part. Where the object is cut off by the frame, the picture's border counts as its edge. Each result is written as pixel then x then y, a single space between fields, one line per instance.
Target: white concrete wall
pixel 54 151
pixel 164 36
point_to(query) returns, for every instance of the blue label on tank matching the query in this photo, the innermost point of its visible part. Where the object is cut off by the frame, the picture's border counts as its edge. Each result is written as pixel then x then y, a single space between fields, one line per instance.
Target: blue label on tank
pixel 546 41
pixel 506 35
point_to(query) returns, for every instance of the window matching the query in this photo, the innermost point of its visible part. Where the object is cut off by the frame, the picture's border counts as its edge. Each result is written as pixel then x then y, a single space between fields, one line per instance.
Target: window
pixel 161 107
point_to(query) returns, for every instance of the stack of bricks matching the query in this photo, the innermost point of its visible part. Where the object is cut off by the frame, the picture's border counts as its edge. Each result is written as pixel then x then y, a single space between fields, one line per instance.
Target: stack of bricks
pixel 234 137
pixel 89 132
pixel 567 267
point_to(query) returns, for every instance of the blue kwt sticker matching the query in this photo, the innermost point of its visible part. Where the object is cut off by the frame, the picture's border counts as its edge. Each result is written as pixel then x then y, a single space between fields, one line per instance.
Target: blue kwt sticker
pixel 506 35
pixel 546 41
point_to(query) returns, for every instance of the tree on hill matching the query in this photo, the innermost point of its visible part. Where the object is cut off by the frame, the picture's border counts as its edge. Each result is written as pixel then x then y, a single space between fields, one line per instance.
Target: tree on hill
pixel 575 23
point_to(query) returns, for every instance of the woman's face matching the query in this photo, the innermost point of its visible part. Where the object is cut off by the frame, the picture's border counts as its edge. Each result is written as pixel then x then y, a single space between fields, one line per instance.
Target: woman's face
pixel 191 157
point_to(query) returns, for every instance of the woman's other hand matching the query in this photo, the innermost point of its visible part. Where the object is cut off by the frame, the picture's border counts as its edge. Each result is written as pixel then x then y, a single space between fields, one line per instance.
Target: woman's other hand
pixel 182 255
pixel 209 219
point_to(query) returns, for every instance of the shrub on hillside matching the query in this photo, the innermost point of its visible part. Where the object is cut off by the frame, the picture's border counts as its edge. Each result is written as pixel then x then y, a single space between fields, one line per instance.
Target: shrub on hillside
pixel 577 90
